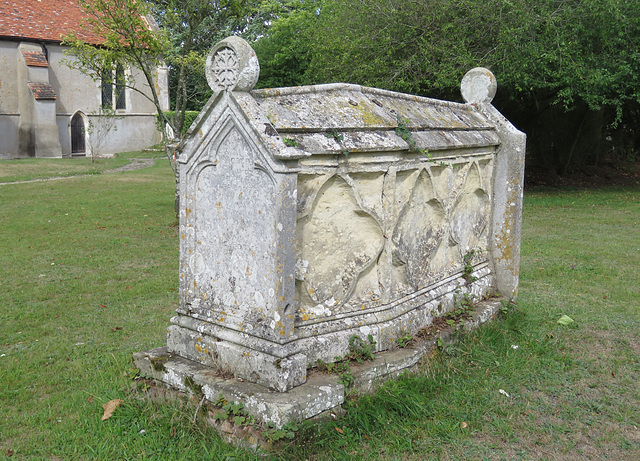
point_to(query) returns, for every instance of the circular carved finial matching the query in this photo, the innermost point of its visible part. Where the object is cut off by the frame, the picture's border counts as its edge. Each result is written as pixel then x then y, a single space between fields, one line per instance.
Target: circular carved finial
pixel 232 65
pixel 478 86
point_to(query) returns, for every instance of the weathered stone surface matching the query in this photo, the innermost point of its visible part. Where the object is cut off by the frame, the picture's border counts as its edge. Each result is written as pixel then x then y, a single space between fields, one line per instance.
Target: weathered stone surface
pixel 320 393
pixel 313 214
pixel 478 86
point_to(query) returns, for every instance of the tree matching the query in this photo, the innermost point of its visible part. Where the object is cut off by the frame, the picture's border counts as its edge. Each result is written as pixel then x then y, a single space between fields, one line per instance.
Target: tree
pixel 131 38
pixel 128 40
pixel 285 45
pixel 575 60
pixel 192 27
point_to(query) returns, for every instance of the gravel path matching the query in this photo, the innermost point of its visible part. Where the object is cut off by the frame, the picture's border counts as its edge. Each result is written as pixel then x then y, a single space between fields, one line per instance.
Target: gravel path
pixel 134 164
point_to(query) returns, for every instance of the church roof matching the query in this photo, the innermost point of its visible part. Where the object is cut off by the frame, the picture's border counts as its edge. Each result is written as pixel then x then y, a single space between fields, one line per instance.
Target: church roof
pixel 43 20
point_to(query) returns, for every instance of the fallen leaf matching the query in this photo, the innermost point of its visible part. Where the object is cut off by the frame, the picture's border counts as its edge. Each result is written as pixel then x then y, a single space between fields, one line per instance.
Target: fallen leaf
pixel 565 320
pixel 613 374
pixel 116 329
pixel 463 424
pixel 339 430
pixel 90 400
pixel 110 407
pixel 103 306
pixel 173 432
pixel 9 453
pixel 366 437
pixel 503 392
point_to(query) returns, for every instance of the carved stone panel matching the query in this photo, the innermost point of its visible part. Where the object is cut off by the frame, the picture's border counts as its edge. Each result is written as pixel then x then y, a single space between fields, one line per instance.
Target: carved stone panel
pixel 230 198
pixel 426 219
pixel 337 241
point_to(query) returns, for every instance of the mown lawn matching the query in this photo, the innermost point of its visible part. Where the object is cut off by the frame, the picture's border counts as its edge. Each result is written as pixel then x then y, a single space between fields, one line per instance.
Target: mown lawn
pixel 89 276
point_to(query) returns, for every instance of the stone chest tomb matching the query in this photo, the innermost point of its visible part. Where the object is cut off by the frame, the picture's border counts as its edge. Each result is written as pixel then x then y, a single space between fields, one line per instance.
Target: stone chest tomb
pixel 312 214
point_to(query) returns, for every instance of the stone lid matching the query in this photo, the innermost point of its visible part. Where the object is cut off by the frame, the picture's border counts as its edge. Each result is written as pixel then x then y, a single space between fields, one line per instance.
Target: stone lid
pixel 334 118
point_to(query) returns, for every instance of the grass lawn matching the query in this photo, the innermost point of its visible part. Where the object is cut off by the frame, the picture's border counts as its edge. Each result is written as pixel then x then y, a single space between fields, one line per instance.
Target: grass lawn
pixel 89 276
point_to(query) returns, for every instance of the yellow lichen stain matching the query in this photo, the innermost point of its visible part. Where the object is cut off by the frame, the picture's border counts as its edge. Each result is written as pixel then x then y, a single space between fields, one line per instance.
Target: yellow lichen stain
pixel 248 272
pixel 305 317
pixel 190 251
pixel 204 296
pixel 188 211
pixel 195 284
pixel 183 236
pixel 198 348
pixel 199 242
pixel 219 207
pixel 221 319
pixel 223 313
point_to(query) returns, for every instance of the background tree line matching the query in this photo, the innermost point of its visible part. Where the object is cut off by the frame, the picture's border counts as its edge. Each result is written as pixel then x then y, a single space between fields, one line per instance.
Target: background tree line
pixel 568 70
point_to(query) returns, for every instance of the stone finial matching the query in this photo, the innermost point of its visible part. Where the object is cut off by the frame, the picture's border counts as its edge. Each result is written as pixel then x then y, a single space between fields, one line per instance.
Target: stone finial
pixel 478 86
pixel 232 65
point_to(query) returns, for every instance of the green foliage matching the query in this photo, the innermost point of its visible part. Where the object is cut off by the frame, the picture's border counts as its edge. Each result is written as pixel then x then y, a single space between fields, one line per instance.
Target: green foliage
pixel 124 38
pixel 285 49
pixel 359 351
pixel 404 340
pixel 290 142
pixel 233 412
pixel 554 59
pixel 467 270
pixel 193 27
pixel 189 117
pixel 405 133
pixel 338 137
pixel 568 50
pixel 274 434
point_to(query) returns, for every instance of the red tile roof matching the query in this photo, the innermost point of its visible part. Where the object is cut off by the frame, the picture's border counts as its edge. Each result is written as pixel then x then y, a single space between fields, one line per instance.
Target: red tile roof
pixel 43 20
pixel 35 58
pixel 42 91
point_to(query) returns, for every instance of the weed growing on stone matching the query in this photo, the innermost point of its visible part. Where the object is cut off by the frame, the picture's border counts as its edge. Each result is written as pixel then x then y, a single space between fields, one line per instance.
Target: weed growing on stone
pixel 467 270
pixel 404 340
pixel 334 134
pixel 273 434
pixel 405 133
pixel 290 142
pixel 233 412
pixel 359 351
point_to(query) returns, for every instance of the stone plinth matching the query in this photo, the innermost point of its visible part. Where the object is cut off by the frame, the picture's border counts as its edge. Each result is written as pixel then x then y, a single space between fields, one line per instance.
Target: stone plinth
pixel 313 214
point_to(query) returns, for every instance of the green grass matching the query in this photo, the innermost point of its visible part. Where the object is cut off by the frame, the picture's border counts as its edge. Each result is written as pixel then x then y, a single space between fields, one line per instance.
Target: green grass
pixel 89 276
pixel 41 168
